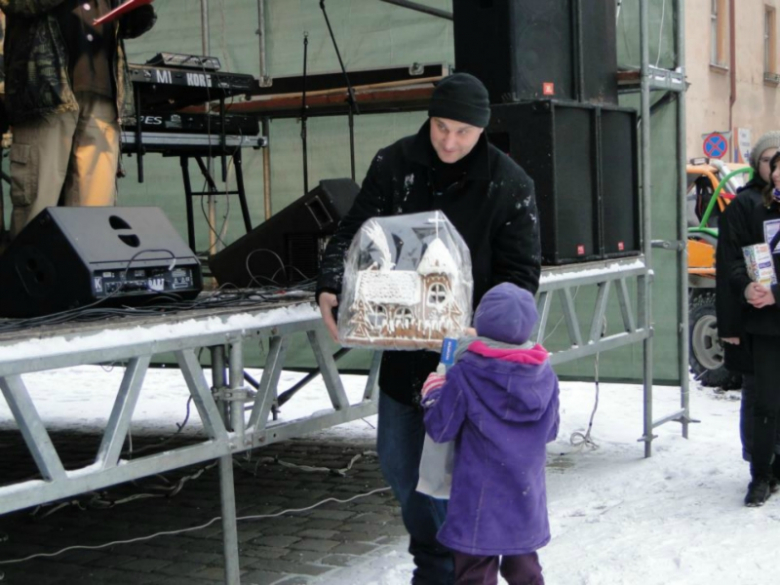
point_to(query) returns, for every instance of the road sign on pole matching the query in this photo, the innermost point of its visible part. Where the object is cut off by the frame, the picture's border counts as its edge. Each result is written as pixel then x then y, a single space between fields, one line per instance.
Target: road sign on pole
pixel 716 145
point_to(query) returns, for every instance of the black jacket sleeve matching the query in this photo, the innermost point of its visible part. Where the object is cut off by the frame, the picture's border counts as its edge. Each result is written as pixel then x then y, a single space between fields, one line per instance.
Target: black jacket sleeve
pixel 137 22
pixel 29 8
pixel 728 305
pixel 516 246
pixel 371 201
pixel 738 235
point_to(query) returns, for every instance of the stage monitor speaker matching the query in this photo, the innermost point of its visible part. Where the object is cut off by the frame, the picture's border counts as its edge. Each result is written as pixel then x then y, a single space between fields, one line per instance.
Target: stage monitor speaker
pixel 582 159
pixel 73 257
pixel 287 247
pixel 533 49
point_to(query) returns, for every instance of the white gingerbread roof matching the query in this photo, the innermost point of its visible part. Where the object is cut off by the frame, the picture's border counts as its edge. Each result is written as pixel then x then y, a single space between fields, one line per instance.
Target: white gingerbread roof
pixel 399 287
pixel 437 260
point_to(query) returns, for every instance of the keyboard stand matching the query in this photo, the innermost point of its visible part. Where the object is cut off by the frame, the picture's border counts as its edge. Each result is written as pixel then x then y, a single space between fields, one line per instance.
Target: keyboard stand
pixel 212 190
pixel 199 147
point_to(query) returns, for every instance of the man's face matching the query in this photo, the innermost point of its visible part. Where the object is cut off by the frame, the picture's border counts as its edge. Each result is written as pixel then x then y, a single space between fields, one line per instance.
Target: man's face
pixel 453 140
pixel 763 163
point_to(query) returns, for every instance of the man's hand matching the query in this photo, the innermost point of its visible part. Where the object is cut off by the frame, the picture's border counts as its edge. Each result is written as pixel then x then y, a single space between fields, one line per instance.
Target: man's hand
pixel 471 332
pixel 432 382
pixel 137 22
pixel 759 296
pixel 328 302
pixel 730 340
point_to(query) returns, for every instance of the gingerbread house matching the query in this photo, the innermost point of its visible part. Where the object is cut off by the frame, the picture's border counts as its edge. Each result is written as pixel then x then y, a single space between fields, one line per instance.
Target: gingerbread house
pixel 407 308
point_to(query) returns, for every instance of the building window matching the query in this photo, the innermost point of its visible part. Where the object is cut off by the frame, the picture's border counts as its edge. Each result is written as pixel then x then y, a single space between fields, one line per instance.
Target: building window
pixel 718 32
pixel 770 44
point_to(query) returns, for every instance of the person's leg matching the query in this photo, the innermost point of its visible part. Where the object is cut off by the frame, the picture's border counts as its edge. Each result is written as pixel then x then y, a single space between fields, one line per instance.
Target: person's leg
pixel 39 157
pixel 766 350
pixel 522 569
pixel 91 179
pixel 473 570
pixel 746 406
pixel 400 436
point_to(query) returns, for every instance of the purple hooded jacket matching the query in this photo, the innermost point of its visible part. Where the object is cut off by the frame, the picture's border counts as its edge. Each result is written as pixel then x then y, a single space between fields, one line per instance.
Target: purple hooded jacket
pixel 500 405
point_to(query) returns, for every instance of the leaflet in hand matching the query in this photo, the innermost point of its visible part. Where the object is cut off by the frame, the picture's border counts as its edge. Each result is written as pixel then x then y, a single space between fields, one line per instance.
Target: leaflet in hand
pixel 760 266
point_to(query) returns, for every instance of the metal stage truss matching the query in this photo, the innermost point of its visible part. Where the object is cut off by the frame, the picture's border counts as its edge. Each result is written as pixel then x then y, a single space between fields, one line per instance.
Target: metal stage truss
pixel 235 417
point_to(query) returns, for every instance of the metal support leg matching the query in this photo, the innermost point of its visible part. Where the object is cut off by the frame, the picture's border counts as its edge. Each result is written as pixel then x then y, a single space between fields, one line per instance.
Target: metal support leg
pixel 237 390
pixel 330 374
pixel 645 299
pixel 122 413
pixel 207 176
pixel 372 383
pixel 229 528
pixel 223 156
pixel 241 190
pixel 139 143
pixel 32 428
pixel 647 364
pixel 267 391
pixel 185 175
pixel 219 381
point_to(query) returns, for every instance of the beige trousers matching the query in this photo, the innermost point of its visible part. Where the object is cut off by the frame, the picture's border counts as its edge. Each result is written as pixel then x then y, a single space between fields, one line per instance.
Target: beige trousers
pixel 70 157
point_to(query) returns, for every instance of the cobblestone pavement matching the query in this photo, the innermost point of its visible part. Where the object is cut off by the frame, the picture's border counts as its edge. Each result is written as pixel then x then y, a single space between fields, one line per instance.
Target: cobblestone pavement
pixel 292 549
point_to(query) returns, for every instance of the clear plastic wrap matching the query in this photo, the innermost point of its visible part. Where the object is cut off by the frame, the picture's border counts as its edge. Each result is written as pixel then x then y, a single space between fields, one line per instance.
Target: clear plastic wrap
pixel 407 284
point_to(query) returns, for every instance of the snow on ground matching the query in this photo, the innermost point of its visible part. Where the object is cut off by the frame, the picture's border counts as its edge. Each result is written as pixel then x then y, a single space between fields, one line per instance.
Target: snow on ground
pixel 616 517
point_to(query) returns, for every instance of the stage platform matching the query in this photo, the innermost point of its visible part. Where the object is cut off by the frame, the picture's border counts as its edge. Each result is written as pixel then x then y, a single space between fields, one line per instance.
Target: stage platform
pixel 236 417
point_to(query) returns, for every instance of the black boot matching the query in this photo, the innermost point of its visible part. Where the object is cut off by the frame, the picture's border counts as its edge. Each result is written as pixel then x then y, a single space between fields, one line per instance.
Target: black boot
pixel 774 481
pixel 758 492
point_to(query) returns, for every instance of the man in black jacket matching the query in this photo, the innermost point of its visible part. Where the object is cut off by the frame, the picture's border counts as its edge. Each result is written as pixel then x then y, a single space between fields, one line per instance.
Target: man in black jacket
pixel 449 166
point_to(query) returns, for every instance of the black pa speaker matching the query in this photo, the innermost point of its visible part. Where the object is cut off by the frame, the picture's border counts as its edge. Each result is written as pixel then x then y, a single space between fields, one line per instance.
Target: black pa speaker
pixel 620 207
pixel 583 161
pixel 287 247
pixel 71 257
pixel 534 49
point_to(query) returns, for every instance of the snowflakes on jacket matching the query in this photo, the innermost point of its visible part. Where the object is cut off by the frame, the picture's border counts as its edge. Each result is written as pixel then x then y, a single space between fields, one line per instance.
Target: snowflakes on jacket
pixel 493 208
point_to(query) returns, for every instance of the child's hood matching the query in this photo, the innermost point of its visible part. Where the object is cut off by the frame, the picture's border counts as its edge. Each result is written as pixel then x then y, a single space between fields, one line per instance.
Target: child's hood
pixel 515 383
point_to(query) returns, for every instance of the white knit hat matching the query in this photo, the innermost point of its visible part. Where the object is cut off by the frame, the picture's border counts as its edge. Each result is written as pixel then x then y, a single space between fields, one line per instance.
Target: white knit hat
pixel 768 140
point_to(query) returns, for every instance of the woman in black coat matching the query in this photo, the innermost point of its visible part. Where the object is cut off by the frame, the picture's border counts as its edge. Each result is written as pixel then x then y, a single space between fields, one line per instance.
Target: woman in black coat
pixel 754 218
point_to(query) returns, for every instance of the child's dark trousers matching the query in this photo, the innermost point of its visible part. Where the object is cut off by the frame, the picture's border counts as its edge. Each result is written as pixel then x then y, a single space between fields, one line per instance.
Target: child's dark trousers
pixel 515 569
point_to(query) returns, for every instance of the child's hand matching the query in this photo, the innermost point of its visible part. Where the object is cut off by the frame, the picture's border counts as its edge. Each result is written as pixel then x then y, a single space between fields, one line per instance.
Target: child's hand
pixel 432 382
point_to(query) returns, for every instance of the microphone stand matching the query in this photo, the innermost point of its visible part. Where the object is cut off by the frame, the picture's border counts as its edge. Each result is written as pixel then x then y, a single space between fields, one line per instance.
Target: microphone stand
pixel 353 107
pixel 304 135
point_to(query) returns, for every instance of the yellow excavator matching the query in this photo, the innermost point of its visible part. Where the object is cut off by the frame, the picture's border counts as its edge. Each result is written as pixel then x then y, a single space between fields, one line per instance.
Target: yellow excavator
pixel 711 187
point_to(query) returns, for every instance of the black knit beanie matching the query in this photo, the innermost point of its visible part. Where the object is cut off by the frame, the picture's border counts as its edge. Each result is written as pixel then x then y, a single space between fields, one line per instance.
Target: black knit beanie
pixel 463 98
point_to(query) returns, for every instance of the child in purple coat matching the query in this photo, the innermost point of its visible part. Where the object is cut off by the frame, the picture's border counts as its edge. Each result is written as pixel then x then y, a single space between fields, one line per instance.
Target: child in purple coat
pixel 499 403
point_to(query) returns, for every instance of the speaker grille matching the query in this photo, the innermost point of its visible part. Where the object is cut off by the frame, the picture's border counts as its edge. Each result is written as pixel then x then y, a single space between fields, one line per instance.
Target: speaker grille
pixel 536 49
pixel 583 160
